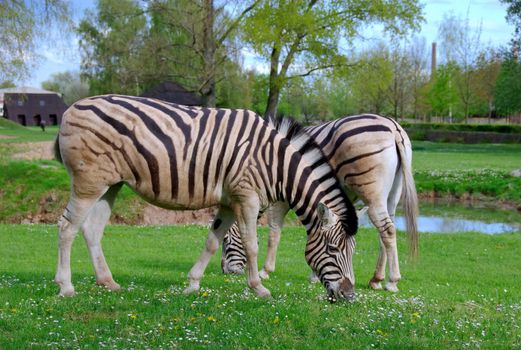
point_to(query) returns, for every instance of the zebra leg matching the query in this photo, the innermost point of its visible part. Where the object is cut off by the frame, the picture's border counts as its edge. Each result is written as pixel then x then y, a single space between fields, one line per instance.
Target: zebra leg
pixel 93 233
pixel 222 222
pixel 276 214
pixel 379 273
pixel 385 226
pixel 246 213
pixel 392 251
pixel 75 213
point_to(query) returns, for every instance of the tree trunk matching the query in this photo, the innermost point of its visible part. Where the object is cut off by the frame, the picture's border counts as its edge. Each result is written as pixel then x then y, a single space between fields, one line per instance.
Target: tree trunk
pixel 274 84
pixel 273 101
pixel 208 88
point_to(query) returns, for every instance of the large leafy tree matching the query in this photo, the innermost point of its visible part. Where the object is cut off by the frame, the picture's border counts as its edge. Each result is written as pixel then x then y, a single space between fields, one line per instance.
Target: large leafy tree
pixel 300 37
pixel 110 41
pixel 23 25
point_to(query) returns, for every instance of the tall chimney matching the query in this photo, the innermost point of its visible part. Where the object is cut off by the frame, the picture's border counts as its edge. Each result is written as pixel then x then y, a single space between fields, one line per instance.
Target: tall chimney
pixel 433 60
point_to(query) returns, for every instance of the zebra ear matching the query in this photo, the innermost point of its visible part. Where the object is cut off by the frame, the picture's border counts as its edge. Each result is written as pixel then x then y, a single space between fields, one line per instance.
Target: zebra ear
pixel 327 218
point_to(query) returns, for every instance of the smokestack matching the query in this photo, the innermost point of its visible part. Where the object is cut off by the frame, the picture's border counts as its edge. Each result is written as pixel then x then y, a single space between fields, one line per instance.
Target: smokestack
pixel 433 60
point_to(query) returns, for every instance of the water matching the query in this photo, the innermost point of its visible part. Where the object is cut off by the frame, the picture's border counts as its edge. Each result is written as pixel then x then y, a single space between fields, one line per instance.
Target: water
pixel 437 224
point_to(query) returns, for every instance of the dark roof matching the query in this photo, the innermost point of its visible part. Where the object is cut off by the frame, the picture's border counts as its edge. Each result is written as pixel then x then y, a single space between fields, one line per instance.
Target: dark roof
pixel 173 92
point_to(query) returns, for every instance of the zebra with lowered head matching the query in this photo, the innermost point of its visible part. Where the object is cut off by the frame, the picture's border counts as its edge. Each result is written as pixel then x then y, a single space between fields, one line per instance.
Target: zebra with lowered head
pixel 180 157
pixel 372 158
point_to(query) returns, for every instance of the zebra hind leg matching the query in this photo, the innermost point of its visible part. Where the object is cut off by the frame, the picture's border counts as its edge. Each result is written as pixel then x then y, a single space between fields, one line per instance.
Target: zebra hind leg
pixel 222 222
pixel 68 225
pixel 246 212
pixel 93 233
pixel 388 249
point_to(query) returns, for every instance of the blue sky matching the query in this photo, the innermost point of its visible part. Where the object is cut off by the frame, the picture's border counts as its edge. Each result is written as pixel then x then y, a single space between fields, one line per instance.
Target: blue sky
pixel 488 14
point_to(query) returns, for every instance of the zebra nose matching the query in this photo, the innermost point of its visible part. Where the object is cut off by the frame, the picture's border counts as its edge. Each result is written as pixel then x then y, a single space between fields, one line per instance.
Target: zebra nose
pixel 347 289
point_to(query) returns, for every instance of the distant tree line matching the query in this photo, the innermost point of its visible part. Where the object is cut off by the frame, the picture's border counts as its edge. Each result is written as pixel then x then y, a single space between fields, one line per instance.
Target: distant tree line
pixel 309 62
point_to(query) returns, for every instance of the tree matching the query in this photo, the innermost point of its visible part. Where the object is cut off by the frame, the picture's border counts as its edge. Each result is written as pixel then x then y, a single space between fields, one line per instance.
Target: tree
pixel 110 42
pixel 191 42
pixel 487 70
pixel 462 47
pixel 514 17
pixel 371 80
pixel 23 24
pixel 443 95
pixel 69 85
pixel 298 38
pixel 508 86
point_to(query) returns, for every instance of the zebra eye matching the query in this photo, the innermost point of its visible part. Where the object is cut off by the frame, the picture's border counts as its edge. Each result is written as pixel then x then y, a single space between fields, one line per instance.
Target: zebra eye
pixel 332 249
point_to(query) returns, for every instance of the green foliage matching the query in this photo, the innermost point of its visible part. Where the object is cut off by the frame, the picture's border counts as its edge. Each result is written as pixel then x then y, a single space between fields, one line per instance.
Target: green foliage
pixel 500 128
pixel 306 33
pixel 470 298
pixel 489 183
pixel 443 96
pixel 110 42
pixel 508 87
pixel 23 25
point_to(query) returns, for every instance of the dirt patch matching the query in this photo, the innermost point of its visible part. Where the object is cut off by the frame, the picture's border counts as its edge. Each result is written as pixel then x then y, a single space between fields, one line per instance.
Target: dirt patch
pixel 5 137
pixel 35 150
pixel 153 215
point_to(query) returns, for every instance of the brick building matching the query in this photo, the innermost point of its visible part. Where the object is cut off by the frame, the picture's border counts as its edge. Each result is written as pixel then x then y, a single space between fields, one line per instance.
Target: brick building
pixel 30 106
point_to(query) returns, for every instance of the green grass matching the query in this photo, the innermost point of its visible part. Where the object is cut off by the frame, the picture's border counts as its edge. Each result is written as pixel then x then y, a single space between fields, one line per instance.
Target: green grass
pixel 461 157
pixel 18 133
pixel 463 293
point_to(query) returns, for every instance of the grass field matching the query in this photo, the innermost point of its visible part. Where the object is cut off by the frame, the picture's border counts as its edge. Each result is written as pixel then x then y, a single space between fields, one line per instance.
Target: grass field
pixel 463 293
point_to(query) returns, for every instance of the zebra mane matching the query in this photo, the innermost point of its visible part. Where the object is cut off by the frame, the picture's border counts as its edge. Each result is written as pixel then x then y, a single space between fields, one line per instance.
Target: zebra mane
pixel 313 155
pixel 301 141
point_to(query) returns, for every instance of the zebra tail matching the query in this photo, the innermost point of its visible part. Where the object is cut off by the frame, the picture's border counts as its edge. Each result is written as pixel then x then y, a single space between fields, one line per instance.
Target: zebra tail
pixel 57 154
pixel 409 199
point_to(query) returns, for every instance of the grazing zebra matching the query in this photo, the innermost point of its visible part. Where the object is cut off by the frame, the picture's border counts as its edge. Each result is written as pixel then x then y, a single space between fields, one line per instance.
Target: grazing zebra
pixel 180 157
pixel 372 157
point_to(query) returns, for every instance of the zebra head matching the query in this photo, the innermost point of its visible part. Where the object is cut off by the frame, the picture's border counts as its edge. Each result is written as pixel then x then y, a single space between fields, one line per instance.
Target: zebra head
pixel 329 253
pixel 233 258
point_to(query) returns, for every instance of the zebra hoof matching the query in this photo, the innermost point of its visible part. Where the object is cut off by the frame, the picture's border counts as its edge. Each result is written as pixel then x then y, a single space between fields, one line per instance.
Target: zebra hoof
pixel 191 289
pixel 263 274
pixel 391 287
pixel 110 285
pixel 376 285
pixel 263 292
pixel 67 292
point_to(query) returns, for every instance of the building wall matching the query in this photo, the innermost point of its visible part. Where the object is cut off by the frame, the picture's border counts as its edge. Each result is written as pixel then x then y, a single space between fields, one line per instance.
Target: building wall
pixel 30 108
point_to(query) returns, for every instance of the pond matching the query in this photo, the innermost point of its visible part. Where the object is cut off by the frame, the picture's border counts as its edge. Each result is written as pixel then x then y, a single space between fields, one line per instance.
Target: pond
pixel 451 218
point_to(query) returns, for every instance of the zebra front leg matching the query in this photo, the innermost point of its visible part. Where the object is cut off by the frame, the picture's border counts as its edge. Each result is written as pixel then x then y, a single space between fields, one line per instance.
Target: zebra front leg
pixel 276 214
pixel 224 219
pixel 68 226
pixel 246 213
pixel 93 233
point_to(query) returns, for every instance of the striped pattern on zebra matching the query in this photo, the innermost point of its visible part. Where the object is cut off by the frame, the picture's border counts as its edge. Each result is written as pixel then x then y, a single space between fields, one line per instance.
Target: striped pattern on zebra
pixel 180 157
pixel 372 157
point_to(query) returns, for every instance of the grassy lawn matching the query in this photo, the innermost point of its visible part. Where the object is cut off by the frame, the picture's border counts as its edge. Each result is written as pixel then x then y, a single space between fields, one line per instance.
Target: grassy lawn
pixel 14 132
pixel 463 293
pixel 461 157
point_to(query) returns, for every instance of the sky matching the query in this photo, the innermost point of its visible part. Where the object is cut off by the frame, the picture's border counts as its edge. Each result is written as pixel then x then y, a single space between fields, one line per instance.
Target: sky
pixel 487 14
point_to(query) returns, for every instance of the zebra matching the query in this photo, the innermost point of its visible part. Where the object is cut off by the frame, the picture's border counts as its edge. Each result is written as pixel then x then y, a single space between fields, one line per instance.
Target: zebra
pixel 180 157
pixel 372 157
